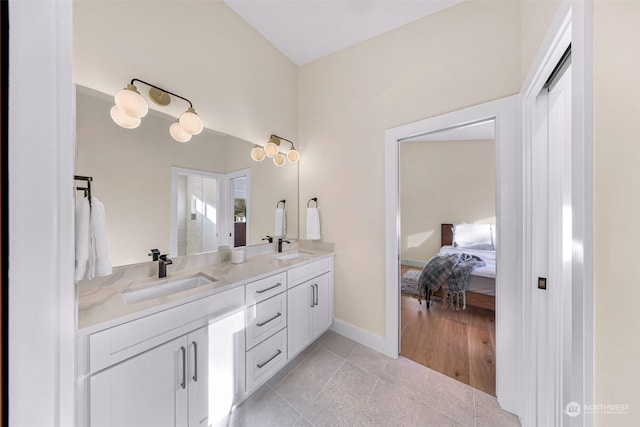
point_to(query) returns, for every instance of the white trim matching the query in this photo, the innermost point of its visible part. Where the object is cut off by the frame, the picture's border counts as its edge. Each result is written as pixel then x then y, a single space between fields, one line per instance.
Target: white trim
pixel 366 338
pixel 506 113
pixel 231 201
pixel 42 295
pixel 573 23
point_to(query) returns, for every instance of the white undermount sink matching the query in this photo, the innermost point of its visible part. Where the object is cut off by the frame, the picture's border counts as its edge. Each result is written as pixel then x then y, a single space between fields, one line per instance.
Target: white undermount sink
pixel 293 255
pixel 164 287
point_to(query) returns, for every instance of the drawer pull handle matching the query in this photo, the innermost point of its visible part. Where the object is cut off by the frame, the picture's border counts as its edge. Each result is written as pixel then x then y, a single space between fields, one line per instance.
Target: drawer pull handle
pixel 267 321
pixel 268 289
pixel 315 294
pixel 183 384
pixel 195 361
pixel 262 365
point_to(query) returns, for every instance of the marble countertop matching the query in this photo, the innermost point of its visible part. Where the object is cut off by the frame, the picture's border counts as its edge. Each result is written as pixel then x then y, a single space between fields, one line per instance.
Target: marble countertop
pixel 105 307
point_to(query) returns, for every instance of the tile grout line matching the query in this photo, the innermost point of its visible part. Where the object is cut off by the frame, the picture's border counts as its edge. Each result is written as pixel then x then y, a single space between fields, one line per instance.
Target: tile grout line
pixel 364 405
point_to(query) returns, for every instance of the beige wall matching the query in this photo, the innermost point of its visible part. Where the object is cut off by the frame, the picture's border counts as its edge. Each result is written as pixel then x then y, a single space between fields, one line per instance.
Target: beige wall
pixel 443 182
pixel 459 57
pixel 239 83
pixel 617 207
pixel 536 18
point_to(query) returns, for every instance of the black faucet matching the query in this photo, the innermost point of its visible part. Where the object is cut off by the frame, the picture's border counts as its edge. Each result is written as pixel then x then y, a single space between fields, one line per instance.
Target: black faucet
pixel 280 240
pixel 155 253
pixel 163 261
pixel 268 238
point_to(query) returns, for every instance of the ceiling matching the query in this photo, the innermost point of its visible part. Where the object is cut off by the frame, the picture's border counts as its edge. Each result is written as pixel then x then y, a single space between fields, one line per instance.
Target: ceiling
pixel 305 30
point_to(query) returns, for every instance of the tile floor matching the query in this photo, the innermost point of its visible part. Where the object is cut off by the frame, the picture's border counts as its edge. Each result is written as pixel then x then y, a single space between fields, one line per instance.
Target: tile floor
pixel 337 382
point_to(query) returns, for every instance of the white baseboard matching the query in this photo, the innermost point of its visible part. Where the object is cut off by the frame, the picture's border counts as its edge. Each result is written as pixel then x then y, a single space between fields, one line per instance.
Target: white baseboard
pixel 366 338
pixel 411 263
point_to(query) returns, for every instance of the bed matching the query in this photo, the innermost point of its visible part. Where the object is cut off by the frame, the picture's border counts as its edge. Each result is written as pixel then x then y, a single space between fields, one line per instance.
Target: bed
pixel 482 280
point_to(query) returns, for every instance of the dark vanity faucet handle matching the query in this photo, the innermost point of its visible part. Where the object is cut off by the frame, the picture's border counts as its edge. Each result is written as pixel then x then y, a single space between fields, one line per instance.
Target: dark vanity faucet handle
pixel 268 238
pixel 155 253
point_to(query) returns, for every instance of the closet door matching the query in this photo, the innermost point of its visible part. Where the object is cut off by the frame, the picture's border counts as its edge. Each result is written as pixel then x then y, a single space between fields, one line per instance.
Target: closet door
pixel 551 235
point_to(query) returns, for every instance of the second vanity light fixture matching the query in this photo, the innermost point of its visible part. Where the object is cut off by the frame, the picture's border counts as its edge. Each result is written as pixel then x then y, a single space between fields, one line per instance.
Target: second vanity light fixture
pixel 131 107
pixel 272 149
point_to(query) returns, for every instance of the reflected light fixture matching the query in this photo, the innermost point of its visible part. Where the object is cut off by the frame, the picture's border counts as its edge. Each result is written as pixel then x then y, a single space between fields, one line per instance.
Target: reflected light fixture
pixel 272 150
pixel 257 153
pixel 131 107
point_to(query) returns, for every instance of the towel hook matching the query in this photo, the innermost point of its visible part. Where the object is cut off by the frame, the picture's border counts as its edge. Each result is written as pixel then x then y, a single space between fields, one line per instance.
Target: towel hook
pixel 87 189
pixel 313 199
pixel 283 203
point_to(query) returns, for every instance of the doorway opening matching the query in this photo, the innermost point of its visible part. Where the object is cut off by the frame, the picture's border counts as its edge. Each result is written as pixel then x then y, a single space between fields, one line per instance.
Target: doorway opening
pixel 447 223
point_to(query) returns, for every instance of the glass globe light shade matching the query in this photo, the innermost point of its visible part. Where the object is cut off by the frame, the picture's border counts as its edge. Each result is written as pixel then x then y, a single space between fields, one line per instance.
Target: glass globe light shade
pixel 131 102
pixel 271 149
pixel 178 133
pixel 279 159
pixel 191 122
pixel 257 153
pixel 123 120
pixel 293 155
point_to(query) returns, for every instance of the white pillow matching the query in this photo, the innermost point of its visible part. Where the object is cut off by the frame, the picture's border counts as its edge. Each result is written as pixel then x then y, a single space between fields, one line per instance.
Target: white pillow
pixel 468 235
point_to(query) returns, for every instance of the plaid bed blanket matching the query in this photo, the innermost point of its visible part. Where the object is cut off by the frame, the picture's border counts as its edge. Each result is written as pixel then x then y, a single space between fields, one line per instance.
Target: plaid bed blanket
pixel 453 269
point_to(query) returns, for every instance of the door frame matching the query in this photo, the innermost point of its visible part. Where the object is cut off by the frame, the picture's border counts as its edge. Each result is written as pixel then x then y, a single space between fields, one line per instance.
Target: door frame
pixel 573 23
pixel 509 213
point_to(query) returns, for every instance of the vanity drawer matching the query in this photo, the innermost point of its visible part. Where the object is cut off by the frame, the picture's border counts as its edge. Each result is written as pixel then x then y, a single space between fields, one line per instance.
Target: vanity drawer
pixel 121 342
pixel 301 274
pixel 266 359
pixel 265 288
pixel 266 318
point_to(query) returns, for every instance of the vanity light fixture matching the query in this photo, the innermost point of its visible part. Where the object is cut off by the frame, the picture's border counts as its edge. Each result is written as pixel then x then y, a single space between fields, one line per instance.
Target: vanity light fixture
pixel 131 107
pixel 272 149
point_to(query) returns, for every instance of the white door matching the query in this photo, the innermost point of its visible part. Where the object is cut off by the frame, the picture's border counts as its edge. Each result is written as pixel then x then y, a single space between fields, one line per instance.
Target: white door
pixel 299 305
pixel 321 311
pixel 148 390
pixel 551 235
pixel 198 377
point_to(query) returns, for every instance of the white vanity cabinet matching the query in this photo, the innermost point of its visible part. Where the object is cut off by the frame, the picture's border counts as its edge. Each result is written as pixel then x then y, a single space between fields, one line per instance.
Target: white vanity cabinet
pixel 190 364
pixel 310 303
pixel 193 379
pixel 266 333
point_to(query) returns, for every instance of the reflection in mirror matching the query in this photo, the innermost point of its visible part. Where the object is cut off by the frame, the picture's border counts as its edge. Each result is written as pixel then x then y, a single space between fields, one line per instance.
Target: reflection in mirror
pixel 132 176
pixel 196 197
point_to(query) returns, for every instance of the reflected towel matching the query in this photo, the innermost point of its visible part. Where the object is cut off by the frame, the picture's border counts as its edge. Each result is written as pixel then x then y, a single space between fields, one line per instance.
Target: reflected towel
pixel 281 222
pixel 83 231
pixel 100 244
pixel 313 224
pixel 92 248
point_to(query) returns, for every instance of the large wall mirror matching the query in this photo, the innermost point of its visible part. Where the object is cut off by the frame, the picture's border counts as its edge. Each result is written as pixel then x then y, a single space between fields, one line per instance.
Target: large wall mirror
pixel 181 198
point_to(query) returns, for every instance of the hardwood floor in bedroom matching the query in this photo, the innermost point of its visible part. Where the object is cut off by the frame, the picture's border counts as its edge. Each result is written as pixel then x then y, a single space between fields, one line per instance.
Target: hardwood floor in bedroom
pixel 459 344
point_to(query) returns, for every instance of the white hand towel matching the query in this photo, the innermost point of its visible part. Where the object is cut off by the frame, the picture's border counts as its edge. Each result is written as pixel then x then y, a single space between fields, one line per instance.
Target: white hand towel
pixel 313 224
pixel 101 262
pixel 82 238
pixel 281 223
pixel 92 248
